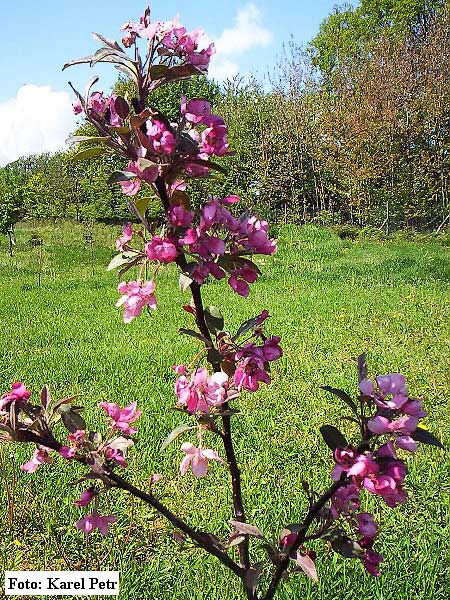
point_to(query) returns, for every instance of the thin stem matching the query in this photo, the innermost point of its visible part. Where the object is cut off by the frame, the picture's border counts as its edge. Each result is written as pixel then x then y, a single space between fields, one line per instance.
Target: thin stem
pixel 312 514
pixel 238 505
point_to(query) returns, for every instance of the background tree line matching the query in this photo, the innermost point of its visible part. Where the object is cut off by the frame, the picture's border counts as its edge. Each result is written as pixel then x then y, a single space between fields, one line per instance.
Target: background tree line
pixel 355 128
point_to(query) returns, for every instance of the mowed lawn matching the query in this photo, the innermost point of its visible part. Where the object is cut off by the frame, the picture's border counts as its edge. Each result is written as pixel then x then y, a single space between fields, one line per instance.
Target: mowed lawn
pixel 330 300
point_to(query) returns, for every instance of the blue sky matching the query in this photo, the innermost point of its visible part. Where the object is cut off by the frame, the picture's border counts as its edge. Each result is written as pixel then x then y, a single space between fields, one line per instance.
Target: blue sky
pixel 43 35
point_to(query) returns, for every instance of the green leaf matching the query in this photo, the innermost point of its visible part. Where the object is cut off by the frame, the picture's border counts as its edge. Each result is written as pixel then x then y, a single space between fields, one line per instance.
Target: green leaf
pixel 120 176
pixel 214 319
pixel 75 139
pixel 121 259
pixel 89 153
pixel 141 204
pixel 175 433
pixel 144 163
pixel 343 396
pixel 246 326
pixel 194 334
pixel 158 72
pixel 332 437
pixel 424 436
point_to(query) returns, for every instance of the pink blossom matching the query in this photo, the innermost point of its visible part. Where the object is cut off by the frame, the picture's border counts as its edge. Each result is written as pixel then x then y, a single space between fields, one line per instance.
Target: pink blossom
pixel 214 137
pixel 122 417
pixel 387 482
pixel 230 199
pixel 366 525
pixel 406 442
pixel 380 425
pixel 78 437
pixel 86 498
pixel 392 384
pixel 180 217
pixel 179 369
pixel 414 408
pixel 345 500
pixel 94 521
pixel 116 454
pixel 202 59
pixel 76 106
pixel 262 317
pixel 18 393
pixel 97 104
pixel 40 456
pixel 363 466
pixel 240 286
pixel 114 119
pixel 126 236
pixel 196 110
pixel 67 452
pixel 161 138
pixel 371 562
pixel 271 348
pixel 195 170
pixel 202 391
pixel 250 373
pixel 386 451
pixel 130 187
pixel 367 387
pixel 160 249
pixel 135 296
pixel 197 458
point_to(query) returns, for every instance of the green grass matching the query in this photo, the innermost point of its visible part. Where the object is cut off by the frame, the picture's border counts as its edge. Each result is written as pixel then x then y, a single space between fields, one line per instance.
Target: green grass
pixel 330 300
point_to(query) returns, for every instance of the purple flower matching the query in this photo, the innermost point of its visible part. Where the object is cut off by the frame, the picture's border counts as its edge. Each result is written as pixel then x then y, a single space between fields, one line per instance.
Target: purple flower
pixel 94 521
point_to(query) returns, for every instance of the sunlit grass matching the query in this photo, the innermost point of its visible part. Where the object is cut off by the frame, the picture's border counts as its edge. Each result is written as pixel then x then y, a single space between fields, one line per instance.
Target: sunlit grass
pixel 330 300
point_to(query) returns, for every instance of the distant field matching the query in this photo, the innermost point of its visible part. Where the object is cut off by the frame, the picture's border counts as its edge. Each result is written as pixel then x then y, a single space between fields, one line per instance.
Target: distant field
pixel 330 300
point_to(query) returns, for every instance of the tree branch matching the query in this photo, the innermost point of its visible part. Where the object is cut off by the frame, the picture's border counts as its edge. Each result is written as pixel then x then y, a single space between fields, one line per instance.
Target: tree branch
pixel 199 537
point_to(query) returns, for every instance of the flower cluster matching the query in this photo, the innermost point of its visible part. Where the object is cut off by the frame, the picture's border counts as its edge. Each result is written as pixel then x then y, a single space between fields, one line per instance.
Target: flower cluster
pixel 397 414
pixel 111 110
pixel 180 142
pixel 217 246
pixel 201 391
pixel 101 455
pixel 251 363
pixel 135 296
pixel 169 39
pixel 379 471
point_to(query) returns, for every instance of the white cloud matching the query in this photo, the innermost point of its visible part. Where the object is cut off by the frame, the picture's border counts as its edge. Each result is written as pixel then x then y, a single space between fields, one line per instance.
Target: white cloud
pixel 38 119
pixel 246 34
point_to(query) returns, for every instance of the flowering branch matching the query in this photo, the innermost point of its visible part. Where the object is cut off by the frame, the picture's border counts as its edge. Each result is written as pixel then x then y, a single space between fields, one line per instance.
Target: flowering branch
pixel 208 242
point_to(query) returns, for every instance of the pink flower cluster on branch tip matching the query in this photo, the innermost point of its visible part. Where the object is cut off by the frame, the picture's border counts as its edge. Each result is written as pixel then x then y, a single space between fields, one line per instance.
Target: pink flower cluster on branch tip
pixel 397 415
pixel 251 363
pixel 171 39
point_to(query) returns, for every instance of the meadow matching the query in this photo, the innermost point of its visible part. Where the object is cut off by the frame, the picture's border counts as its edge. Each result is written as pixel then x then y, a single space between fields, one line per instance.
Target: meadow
pixel 330 299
